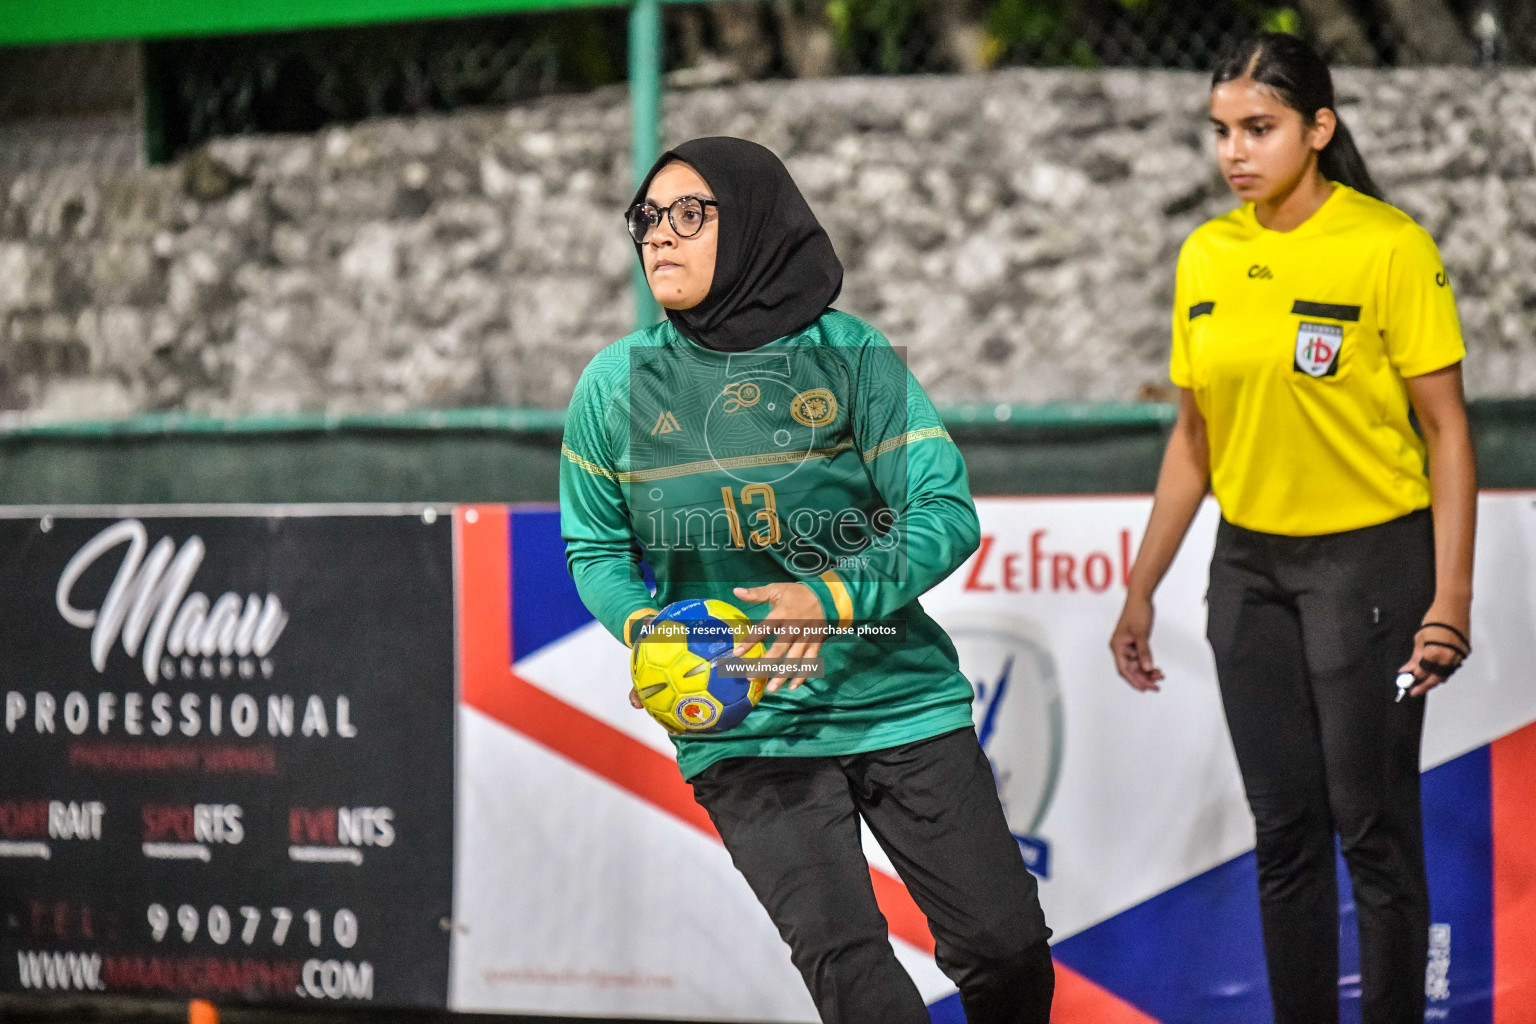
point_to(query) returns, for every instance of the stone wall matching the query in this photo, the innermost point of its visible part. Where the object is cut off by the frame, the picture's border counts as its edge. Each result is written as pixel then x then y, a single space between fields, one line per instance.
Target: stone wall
pixel 1016 230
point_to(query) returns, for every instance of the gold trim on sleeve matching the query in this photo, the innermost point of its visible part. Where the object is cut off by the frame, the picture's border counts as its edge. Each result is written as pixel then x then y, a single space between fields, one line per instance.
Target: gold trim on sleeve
pixel 841 599
pixel 586 464
pixel 633 618
pixel 910 437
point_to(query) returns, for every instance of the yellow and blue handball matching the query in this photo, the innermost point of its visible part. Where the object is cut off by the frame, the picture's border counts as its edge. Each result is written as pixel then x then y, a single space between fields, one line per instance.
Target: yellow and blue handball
pixel 675 667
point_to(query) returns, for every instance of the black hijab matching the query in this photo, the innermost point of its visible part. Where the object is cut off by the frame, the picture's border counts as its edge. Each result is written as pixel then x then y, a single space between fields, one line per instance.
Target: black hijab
pixel 775 271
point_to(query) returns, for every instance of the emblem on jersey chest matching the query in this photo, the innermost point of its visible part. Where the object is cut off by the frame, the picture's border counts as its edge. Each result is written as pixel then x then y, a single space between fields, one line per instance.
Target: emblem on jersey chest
pixel 814 408
pixel 1317 349
pixel 742 395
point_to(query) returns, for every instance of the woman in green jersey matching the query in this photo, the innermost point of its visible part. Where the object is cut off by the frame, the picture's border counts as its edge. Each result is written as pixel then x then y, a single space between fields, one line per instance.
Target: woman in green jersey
pixel 760 447
pixel 1309 325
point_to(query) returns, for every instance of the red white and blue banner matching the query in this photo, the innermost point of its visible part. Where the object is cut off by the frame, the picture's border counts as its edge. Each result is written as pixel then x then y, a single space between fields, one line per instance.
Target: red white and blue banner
pixel 588 882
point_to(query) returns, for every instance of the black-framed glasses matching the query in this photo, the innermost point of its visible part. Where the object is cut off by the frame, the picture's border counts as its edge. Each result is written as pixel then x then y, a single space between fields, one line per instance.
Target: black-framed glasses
pixel 686 215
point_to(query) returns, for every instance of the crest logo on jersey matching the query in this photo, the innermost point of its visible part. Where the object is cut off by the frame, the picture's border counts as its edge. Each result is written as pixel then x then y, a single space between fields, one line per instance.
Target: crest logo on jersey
pixel 666 423
pixel 1317 349
pixel 742 395
pixel 814 408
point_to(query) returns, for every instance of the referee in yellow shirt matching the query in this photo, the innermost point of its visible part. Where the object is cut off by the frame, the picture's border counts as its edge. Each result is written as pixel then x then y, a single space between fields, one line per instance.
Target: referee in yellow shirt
pixel 1310 325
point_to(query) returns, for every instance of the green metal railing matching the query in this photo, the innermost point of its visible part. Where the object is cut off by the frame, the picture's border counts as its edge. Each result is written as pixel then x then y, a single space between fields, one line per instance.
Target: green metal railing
pixel 1050 416
pixel 32 22
pixel 500 455
pixel 645 122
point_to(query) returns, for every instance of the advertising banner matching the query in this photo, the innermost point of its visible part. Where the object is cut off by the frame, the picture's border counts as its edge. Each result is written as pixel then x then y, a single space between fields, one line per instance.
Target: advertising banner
pixel 233 765
pixel 226 767
pixel 590 883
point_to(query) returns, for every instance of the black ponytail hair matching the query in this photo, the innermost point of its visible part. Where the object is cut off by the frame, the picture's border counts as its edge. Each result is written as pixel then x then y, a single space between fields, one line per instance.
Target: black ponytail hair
pixel 1301 79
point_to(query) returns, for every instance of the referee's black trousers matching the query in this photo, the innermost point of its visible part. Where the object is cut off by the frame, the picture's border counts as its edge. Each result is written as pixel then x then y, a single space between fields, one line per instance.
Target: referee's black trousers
pixel 791 825
pixel 1308 634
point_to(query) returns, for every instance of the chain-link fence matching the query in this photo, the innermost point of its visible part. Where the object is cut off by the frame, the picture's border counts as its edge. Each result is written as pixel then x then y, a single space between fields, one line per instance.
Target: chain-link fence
pixel 69 105
pixel 196 89
pixel 904 36
pixel 300 81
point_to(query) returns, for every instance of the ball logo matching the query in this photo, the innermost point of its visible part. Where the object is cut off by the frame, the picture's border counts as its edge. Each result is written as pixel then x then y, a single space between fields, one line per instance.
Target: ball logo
pixel 696 712
pixel 1317 349
pixel 814 408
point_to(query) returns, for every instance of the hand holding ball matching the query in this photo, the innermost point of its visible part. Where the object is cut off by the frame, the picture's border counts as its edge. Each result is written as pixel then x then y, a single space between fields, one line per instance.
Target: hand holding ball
pixel 674 667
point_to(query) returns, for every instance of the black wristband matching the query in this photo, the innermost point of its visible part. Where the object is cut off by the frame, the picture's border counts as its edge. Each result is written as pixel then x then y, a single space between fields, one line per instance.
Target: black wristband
pixel 1450 629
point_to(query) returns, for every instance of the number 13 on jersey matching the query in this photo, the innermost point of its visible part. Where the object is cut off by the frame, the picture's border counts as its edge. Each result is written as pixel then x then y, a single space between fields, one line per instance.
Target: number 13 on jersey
pixel 766 519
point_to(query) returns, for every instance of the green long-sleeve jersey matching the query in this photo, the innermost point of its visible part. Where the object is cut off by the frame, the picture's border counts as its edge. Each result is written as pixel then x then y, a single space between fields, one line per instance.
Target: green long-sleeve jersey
pixel 816 458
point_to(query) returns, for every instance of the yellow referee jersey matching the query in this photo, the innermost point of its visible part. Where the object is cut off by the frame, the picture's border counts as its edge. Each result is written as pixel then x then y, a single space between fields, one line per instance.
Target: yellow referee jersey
pixel 1295 345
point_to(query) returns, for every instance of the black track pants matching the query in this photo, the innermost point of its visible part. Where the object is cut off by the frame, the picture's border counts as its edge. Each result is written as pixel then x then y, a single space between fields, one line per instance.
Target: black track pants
pixel 1308 633
pixel 791 825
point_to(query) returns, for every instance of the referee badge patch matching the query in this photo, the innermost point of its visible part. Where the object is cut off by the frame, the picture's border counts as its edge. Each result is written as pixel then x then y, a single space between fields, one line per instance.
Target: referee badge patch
pixel 1317 349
